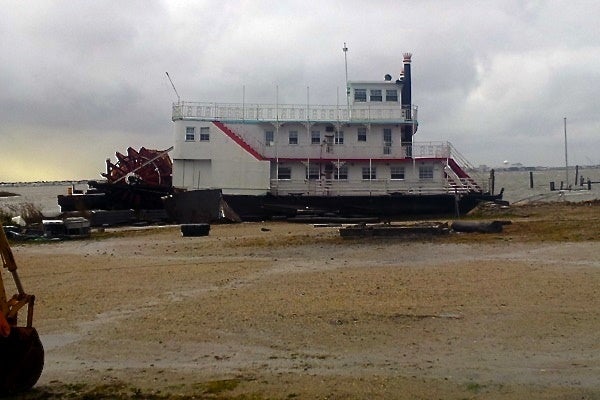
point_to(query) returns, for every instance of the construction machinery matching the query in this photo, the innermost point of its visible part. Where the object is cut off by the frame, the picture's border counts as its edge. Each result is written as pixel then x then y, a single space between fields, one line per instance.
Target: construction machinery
pixel 21 351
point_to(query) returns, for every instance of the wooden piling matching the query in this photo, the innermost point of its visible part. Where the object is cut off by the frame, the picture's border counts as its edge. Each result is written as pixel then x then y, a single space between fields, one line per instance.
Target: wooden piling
pixel 530 179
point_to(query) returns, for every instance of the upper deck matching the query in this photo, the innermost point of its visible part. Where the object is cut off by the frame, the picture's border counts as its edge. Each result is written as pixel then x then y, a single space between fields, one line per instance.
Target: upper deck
pixel 274 113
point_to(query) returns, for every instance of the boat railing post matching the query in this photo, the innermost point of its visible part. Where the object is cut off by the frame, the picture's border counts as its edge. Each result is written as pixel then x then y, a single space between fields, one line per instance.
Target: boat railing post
pixel 456 203
pixel 566 158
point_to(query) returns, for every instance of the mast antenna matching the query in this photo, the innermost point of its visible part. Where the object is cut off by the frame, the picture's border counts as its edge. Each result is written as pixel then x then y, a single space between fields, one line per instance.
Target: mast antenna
pixel 566 158
pixel 173 85
pixel 345 49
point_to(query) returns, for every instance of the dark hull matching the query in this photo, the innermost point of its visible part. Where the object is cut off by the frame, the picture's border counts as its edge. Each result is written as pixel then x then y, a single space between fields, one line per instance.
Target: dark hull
pixel 196 206
pixel 118 204
pixel 200 206
pixel 116 196
pixel 392 206
pixel 206 206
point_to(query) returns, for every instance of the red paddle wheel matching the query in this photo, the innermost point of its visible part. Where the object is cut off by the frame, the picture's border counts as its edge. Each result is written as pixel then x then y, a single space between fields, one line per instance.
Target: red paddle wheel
pixel 149 167
pixel 138 180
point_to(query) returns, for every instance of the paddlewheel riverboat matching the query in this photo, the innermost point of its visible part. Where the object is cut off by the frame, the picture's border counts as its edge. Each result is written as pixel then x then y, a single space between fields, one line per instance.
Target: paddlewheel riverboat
pixel 355 159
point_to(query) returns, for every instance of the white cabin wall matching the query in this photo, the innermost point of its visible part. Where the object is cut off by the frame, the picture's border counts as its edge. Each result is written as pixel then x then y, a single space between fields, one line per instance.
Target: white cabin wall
pixel 222 163
pixel 383 170
pixel 192 174
pixel 381 85
pixel 216 163
pixel 351 147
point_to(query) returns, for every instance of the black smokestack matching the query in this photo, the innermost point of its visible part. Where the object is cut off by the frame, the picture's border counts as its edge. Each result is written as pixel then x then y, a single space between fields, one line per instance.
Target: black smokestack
pixel 406 104
pixel 406 90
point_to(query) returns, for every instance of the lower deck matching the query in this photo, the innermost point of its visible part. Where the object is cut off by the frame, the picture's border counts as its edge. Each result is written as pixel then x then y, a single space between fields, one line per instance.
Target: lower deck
pixel 322 177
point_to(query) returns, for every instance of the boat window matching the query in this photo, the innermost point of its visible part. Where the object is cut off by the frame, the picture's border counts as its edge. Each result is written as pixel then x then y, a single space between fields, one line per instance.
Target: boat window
pixel 269 138
pixel 293 137
pixel 190 133
pixel 391 95
pixel 366 175
pixel 204 134
pixel 315 137
pixel 426 172
pixel 376 95
pixel 360 95
pixel 387 136
pixel 339 137
pixel 396 173
pixel 362 134
pixel 341 173
pixel 312 172
pixel 284 173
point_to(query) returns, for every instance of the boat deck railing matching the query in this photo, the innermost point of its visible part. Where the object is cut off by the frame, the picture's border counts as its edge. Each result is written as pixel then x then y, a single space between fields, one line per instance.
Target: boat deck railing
pixel 332 187
pixel 332 151
pixel 238 112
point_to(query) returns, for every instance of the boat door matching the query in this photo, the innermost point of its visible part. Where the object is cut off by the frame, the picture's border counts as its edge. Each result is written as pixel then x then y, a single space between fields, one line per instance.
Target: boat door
pixel 328 171
pixel 387 141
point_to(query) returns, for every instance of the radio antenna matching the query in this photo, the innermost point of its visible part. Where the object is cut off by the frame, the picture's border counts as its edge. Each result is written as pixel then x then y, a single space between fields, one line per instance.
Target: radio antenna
pixel 175 90
pixel 345 49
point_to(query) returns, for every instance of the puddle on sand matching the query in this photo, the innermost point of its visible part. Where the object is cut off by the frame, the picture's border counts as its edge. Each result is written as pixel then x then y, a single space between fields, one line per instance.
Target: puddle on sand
pixel 57 340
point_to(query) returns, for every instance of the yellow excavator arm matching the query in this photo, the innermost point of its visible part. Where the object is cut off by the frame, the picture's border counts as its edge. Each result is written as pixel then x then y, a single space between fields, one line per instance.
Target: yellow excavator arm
pixel 21 351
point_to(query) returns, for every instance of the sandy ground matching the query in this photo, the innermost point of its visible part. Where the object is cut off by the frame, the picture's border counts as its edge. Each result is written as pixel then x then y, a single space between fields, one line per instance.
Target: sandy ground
pixel 277 310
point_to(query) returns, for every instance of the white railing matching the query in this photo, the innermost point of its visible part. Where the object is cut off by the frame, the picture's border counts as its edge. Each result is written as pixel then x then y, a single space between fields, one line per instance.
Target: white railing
pixel 460 159
pixel 332 187
pixel 431 150
pixel 290 112
pixel 454 182
pixel 355 151
pixel 335 151
pixel 480 180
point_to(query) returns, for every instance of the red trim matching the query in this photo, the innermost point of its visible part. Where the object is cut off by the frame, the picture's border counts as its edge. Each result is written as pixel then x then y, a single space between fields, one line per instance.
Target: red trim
pixel 233 136
pixel 457 169
pixel 461 173
pixel 372 160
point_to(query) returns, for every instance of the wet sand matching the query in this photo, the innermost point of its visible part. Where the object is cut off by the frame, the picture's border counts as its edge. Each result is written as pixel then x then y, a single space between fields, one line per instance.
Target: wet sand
pixel 277 310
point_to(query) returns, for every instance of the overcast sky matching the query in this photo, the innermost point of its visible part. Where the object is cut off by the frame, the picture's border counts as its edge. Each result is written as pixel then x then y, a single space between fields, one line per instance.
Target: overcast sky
pixel 81 80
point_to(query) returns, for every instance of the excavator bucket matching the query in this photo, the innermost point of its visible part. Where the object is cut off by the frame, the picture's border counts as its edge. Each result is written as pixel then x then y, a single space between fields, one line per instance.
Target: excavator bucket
pixel 21 351
pixel 21 360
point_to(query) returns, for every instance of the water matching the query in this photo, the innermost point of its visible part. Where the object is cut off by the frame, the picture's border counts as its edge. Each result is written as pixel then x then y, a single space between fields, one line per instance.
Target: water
pixel 515 183
pixel 42 195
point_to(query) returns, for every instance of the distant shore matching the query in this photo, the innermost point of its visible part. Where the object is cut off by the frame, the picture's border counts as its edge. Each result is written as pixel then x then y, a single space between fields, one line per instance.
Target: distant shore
pixel 45 183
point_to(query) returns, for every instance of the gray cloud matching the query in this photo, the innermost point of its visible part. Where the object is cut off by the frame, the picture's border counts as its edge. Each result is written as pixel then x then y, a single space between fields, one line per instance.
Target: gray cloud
pixel 81 80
